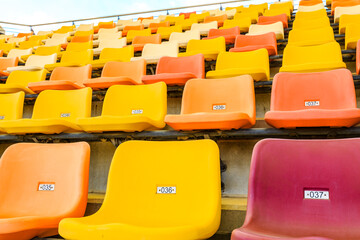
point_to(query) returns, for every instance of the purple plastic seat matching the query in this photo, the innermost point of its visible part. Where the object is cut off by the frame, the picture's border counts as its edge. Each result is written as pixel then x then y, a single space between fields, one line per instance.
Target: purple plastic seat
pixel 303 189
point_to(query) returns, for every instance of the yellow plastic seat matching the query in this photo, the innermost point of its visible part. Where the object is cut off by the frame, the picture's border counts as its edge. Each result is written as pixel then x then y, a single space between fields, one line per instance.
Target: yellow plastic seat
pixel 229 13
pixel 153 52
pixel 130 108
pixel 243 23
pixel 261 8
pixel 288 4
pixel 147 22
pixel 253 15
pixel 199 17
pixel 311 8
pixel 238 9
pixel 80 33
pixel 113 55
pixel 173 19
pixel 11 106
pixel 79 46
pixel 110 43
pixel 231 64
pixel 210 48
pixel 278 11
pixel 132 33
pixel 121 22
pixel 35 63
pixel 311 23
pixel 277 28
pixel 204 28
pixel 73 59
pixel 347 19
pixel 37 37
pixel 56 41
pixel 183 38
pixel 65 29
pixel 44 51
pixel 165 32
pixel 352 35
pixel 316 58
pixel 19 80
pixel 6 47
pixel 212 12
pixel 311 15
pixel 29 44
pixel 339 11
pixel 45 33
pixel 146 199
pixel 310 37
pixel 55 111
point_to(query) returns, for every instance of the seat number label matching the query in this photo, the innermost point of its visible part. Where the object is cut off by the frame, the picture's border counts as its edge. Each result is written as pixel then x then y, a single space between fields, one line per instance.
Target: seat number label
pixel 312 103
pixel 219 107
pixel 65 115
pixel 46 187
pixel 166 190
pixel 136 111
pixel 314 194
pixel 2 117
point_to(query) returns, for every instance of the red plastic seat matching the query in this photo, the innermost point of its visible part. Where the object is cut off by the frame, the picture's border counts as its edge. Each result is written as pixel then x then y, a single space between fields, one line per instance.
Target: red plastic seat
pixel 154 26
pixel 245 43
pixel 229 34
pixel 358 58
pixel 273 19
pixel 187 15
pixel 303 190
pixel 118 73
pixel 329 102
pixel 139 41
pixel 128 28
pixel 64 78
pixel 177 70
pixel 220 19
pixel 7 62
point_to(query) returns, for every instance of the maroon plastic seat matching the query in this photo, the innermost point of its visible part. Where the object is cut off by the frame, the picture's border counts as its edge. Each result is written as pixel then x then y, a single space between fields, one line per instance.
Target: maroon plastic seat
pixel 177 70
pixel 303 189
pixel 229 34
pixel 245 43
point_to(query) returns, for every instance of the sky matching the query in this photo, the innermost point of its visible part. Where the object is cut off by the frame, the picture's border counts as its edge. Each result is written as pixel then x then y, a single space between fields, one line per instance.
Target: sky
pixel 45 11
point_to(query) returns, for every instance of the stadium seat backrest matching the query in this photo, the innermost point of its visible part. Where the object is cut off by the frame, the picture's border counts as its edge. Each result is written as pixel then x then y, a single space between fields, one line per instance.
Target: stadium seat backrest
pixel 44 180
pixel 169 30
pixel 272 19
pixel 215 18
pixel 236 94
pixel 109 24
pixel 29 44
pixel 224 32
pixel 55 41
pixel 8 62
pixel 17 40
pixel 155 39
pixel 124 54
pixel 65 29
pixel 78 57
pixel 160 24
pixel 108 30
pixel 81 39
pixel 85 27
pixel 7 46
pixel 25 34
pixel 184 36
pixel 23 78
pixel 136 27
pixel 74 74
pixel 308 36
pixel 173 19
pixel 347 19
pixel 261 39
pixel 19 52
pixel 208 44
pixel 110 36
pixel 311 15
pixel 204 26
pixel 141 100
pixel 145 18
pixel 134 69
pixel 121 22
pixel 150 21
pixel 46 33
pixel 328 52
pixel 11 106
pixel 285 175
pixel 112 43
pixel 170 49
pixel 47 50
pixel 84 34
pixel 132 33
pixel 63 104
pixel 149 169
pixel 41 61
pixel 79 46
pixel 192 64
pixel 38 37
pixel 329 90
pixel 311 23
pixel 253 15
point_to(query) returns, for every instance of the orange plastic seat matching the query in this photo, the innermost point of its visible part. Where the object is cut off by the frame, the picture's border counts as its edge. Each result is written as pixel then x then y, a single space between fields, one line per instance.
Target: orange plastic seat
pixel 224 104
pixel 7 62
pixel 64 78
pixel 177 70
pixel 228 33
pixel 358 57
pixel 27 35
pixel 219 19
pixel 140 41
pixel 329 102
pixel 245 43
pixel 109 24
pixel 187 15
pixel 273 19
pixel 309 2
pixel 128 28
pixel 154 26
pixel 142 18
pixel 40 185
pixel 118 73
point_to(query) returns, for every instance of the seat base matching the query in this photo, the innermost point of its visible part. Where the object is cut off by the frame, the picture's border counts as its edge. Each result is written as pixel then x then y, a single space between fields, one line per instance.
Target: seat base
pixel 229 39
pixel 106 82
pixel 271 50
pixel 54 85
pixel 169 78
pixel 256 73
pixel 13 88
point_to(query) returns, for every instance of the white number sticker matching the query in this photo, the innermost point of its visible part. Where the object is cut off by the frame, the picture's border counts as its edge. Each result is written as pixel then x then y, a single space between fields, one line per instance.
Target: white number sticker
pixel 65 115
pixel 166 190
pixel 219 107
pixel 137 111
pixel 312 103
pixel 2 117
pixel 46 187
pixel 314 194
